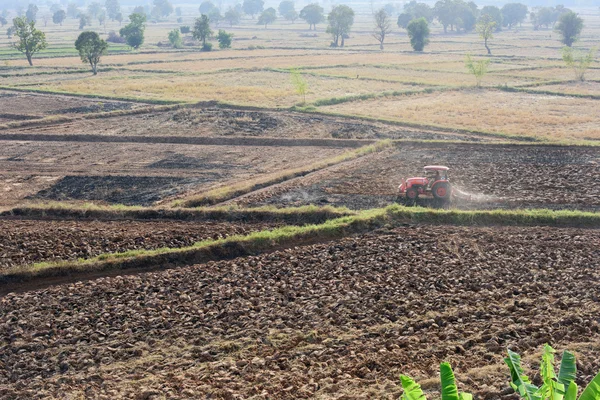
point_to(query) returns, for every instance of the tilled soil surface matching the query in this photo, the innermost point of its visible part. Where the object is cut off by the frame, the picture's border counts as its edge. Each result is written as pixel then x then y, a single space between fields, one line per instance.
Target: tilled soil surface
pixel 26 241
pixel 339 320
pixel 18 106
pixel 496 176
pixel 137 173
pixel 241 123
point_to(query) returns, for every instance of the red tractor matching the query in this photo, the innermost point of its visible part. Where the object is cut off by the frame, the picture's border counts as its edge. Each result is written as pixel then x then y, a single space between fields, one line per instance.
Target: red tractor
pixel 435 183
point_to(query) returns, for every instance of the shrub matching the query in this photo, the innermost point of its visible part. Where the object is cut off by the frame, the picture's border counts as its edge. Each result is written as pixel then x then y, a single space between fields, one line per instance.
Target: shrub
pixel 185 29
pixel 114 37
pixel 207 47
pixel 224 39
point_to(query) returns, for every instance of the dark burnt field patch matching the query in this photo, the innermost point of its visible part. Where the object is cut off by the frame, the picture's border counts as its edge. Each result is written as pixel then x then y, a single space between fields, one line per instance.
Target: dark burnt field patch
pixel 129 190
pixel 340 319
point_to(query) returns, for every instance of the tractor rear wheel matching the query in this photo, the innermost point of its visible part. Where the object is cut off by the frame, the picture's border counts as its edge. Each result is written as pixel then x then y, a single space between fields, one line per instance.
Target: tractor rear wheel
pixel 441 191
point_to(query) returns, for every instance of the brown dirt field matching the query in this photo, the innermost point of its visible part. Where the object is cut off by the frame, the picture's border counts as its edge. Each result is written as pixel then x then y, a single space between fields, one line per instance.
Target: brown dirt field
pixel 339 320
pixel 16 106
pixel 498 176
pixel 136 173
pixel 30 241
pixel 218 122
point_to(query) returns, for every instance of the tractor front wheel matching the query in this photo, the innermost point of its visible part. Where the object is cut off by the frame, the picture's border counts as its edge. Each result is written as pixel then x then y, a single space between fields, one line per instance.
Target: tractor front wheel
pixel 441 191
pixel 412 194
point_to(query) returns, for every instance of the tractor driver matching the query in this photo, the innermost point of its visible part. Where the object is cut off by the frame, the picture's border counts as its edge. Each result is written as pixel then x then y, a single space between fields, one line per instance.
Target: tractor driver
pixel 433 178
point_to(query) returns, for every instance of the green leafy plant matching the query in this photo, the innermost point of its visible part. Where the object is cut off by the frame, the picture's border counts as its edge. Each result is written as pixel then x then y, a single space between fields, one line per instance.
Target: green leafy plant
pixel 412 390
pixel 580 63
pixel 554 387
pixel 478 68
pixel 299 83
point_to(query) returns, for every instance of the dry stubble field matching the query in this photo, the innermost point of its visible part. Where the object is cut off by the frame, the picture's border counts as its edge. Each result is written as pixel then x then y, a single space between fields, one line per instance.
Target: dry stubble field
pixel 337 319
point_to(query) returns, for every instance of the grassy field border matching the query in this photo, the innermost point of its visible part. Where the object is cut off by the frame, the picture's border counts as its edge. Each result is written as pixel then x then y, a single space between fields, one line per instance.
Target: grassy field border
pixel 290 215
pixel 268 240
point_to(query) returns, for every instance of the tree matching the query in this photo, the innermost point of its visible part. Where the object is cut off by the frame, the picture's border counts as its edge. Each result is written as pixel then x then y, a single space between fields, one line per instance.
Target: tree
pixel 300 84
pixel 3 20
pixel 485 28
pixel 45 18
pixel 162 8
pixel 404 19
pixel 496 15
pixel 206 7
pixel 445 12
pixel 59 17
pixel 580 63
pixel 224 39
pixel 140 10
pixel 253 7
pixel 31 13
pixel 569 27
pixel 73 11
pixel 94 9
pixel 267 17
pixel 202 29
pixel 102 18
pixel 418 10
pixel 215 16
pixel 119 18
pixel 340 20
pixel 10 32
pixel 513 13
pixel 84 20
pixel 288 11
pixel 418 32
pixel 477 68
pixel 90 48
pixel 313 14
pixel 390 9
pixel 232 16
pixel 31 40
pixel 113 9
pixel 133 32
pixel 383 26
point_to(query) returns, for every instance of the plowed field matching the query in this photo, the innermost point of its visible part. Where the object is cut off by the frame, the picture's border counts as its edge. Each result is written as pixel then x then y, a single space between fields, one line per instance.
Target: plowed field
pixel 333 321
pixel 25 242
pixel 496 176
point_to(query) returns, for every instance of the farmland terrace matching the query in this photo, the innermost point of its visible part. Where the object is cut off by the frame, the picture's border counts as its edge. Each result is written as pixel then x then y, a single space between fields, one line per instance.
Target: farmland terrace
pixel 192 224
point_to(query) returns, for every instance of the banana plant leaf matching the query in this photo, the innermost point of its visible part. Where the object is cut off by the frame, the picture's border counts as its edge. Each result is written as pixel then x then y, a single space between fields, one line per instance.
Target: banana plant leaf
pixel 568 368
pixel 519 381
pixel 571 393
pixel 592 390
pixel 449 390
pixel 412 390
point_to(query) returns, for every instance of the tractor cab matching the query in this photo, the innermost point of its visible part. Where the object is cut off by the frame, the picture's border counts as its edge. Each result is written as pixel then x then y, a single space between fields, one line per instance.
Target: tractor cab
pixel 434 183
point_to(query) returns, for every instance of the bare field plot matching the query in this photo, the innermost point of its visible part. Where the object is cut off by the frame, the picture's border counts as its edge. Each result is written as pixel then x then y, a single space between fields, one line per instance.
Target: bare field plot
pixel 574 87
pixel 135 173
pixel 216 122
pixel 24 242
pixel 497 176
pixel 263 88
pixel 544 116
pixel 338 320
pixel 433 77
pixel 22 105
pixel 563 73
